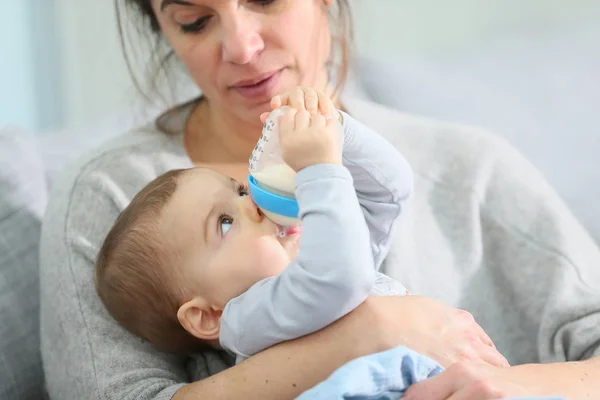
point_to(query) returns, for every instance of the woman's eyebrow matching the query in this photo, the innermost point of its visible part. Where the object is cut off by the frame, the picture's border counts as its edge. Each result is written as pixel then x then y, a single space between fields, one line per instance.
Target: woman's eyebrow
pixel 166 3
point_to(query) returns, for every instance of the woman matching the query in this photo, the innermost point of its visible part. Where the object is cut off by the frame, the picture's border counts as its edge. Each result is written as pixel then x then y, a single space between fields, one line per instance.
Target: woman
pixel 483 232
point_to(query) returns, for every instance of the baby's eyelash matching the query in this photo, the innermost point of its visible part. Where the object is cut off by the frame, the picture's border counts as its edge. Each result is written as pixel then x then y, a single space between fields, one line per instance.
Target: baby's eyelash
pixel 225 218
pixel 242 189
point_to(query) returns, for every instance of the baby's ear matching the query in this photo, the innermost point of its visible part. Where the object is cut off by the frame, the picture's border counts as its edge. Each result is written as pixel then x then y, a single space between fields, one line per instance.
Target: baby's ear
pixel 200 319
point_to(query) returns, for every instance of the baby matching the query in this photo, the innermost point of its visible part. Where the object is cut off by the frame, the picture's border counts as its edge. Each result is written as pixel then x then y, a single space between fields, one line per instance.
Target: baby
pixel 193 262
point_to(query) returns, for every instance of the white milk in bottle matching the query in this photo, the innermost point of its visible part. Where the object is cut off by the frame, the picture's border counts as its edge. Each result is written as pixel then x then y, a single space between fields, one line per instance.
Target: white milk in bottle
pixel 275 195
pixel 271 179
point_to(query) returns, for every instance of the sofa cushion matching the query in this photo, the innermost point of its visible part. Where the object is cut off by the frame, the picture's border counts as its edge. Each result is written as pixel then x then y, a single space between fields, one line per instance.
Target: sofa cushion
pixel 22 203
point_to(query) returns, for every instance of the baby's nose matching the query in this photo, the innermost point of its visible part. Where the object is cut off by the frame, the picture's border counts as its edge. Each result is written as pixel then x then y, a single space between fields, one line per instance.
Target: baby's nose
pixel 251 210
pixel 261 215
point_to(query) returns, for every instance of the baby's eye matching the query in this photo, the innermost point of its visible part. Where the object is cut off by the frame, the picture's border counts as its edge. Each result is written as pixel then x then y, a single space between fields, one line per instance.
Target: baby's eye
pixel 243 190
pixel 225 222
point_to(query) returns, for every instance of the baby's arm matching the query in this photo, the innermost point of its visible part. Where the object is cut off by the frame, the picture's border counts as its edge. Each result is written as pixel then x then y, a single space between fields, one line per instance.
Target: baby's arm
pixel 383 181
pixel 331 275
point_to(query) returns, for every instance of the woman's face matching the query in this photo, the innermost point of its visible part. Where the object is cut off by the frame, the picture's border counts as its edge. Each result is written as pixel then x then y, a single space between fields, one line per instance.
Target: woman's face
pixel 243 52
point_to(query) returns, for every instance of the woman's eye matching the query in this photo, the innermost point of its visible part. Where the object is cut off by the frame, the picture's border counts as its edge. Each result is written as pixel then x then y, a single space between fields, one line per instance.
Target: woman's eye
pixel 264 2
pixel 226 222
pixel 195 26
pixel 199 24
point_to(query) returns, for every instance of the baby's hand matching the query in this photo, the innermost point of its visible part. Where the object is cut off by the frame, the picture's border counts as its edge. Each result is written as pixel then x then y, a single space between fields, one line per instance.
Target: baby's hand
pixel 307 136
pixel 301 98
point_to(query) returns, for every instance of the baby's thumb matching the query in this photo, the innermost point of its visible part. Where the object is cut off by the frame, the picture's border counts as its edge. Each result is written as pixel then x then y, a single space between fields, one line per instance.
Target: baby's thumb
pixel 263 117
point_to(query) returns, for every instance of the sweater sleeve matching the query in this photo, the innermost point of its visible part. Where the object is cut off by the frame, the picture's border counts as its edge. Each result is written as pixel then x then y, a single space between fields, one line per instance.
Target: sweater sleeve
pixel 383 181
pixel 331 275
pixel 348 215
pixel 544 262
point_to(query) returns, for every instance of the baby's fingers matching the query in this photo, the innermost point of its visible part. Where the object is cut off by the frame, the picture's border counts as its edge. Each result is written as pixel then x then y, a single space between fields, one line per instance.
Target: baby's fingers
pixel 287 122
pixel 318 121
pixel 277 101
pixel 294 98
pixel 302 120
pixel 311 100
pixel 263 117
pixel 325 105
pixel 327 108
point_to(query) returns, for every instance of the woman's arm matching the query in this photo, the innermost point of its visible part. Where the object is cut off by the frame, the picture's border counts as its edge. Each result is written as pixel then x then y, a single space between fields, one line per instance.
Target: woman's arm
pixel 471 380
pixel 549 267
pixel 442 333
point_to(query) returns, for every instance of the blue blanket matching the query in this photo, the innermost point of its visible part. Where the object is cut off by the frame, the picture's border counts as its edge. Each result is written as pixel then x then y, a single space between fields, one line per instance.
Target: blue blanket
pixel 381 376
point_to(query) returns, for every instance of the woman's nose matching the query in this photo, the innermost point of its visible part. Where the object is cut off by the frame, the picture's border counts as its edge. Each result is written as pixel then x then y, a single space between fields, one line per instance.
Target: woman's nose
pixel 242 40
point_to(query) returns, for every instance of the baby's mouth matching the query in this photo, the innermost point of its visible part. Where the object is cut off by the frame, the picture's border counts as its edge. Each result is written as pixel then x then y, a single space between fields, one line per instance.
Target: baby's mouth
pixel 284 231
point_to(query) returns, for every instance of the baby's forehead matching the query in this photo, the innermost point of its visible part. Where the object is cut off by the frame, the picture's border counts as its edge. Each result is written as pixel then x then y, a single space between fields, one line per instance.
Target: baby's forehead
pixel 197 191
pixel 209 174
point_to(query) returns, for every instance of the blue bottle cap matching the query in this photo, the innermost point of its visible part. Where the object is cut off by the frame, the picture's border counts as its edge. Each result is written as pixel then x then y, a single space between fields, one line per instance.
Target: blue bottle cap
pixel 272 202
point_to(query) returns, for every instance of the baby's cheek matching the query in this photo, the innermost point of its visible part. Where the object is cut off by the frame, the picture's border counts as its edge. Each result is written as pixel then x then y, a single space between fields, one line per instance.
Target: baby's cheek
pixel 291 248
pixel 270 259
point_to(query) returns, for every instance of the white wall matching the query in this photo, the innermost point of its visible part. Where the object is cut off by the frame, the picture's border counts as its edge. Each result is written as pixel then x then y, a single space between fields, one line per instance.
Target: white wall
pixel 17 88
pixel 437 26
pixel 94 76
pixel 528 70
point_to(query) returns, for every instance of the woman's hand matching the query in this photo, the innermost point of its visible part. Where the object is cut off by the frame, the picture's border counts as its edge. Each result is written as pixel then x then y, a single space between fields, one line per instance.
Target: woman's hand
pixel 444 334
pixel 287 369
pixel 473 381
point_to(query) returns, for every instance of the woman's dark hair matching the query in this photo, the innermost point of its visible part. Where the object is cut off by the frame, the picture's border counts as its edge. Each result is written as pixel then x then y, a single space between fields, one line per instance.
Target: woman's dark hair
pixel 136 17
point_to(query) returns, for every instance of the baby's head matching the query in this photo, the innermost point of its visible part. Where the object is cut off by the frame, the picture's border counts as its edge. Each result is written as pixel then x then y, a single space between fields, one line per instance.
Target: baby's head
pixel 188 242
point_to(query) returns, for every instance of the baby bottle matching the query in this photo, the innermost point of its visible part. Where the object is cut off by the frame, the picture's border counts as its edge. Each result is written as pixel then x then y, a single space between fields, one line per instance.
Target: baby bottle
pixel 271 180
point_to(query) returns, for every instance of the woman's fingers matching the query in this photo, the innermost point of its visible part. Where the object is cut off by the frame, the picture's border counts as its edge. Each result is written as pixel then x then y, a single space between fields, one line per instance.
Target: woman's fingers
pixel 471 392
pixel 490 355
pixel 482 335
pixel 467 317
pixel 439 387
pixel 467 381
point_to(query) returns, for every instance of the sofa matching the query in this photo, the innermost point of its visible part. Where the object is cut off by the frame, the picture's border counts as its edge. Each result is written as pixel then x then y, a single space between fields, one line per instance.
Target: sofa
pixel 30 162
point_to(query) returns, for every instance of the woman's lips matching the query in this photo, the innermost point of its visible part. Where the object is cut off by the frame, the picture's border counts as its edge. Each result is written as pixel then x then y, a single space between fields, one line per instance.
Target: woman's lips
pixel 263 87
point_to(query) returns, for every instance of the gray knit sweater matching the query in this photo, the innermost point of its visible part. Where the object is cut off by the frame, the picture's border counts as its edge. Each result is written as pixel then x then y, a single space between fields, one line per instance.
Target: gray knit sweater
pixel 483 231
